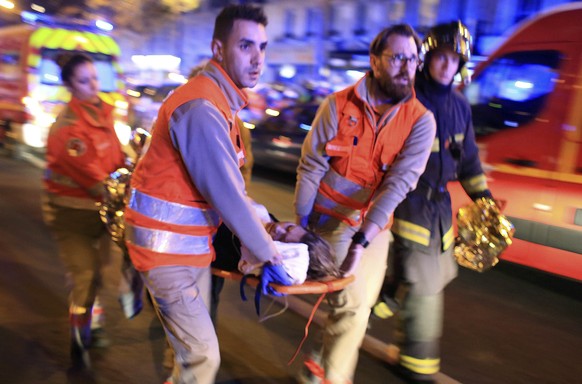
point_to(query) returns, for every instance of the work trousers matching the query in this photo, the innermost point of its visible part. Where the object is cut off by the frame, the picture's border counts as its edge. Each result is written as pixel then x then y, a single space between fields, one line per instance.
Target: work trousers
pixel 347 321
pixel 181 297
pixel 84 248
pixel 425 272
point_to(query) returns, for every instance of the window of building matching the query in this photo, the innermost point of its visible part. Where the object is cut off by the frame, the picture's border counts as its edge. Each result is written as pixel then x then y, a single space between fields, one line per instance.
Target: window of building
pixel 290 21
pixel 313 22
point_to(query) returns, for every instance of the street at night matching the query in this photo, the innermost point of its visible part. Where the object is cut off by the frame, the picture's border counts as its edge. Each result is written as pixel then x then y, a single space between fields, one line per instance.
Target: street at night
pixel 508 325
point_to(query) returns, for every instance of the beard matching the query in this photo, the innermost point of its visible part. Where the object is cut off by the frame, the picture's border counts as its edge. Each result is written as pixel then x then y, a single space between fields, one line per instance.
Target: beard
pixel 393 90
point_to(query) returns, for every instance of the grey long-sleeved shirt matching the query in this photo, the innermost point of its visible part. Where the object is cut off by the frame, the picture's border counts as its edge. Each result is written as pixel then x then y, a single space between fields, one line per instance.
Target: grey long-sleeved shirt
pixel 202 136
pixel 401 177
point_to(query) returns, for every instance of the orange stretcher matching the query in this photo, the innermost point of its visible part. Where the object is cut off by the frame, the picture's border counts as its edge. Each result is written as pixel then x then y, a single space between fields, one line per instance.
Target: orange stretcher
pixel 307 288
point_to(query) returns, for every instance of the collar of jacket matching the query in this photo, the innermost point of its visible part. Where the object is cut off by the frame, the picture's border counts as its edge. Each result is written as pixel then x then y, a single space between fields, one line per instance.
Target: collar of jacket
pixel 430 87
pixel 363 86
pixel 97 115
pixel 236 97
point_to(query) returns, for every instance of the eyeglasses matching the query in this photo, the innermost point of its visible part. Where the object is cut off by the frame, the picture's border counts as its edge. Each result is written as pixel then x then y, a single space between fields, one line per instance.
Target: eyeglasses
pixel 398 60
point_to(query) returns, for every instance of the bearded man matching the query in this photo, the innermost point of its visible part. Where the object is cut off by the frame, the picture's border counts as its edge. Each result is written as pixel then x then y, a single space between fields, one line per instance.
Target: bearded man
pixel 366 150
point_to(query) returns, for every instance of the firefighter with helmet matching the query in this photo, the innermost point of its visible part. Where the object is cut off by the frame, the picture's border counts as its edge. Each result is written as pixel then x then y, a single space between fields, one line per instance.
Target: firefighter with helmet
pixel 423 262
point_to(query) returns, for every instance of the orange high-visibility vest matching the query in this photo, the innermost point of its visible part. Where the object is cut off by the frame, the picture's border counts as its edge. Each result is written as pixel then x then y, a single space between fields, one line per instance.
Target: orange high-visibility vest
pixel 168 221
pixel 360 156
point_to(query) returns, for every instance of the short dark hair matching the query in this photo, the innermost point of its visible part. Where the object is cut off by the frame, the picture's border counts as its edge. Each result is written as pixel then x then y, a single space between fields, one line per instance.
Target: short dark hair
pixel 68 62
pixel 379 44
pixel 229 14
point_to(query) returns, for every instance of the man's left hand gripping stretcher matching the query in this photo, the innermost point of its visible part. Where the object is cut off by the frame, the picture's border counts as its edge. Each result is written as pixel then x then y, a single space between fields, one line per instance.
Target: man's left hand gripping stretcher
pixel 271 273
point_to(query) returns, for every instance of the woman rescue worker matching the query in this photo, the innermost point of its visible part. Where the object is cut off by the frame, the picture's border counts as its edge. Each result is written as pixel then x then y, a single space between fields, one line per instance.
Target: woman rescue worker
pixel 82 150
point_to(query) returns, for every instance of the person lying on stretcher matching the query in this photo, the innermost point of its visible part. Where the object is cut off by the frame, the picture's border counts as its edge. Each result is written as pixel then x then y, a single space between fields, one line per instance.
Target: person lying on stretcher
pixel 305 254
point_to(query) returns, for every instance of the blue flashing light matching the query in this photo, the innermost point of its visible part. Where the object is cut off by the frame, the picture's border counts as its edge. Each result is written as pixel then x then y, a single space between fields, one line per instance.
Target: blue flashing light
pixel 305 127
pixel 104 25
pixel 29 17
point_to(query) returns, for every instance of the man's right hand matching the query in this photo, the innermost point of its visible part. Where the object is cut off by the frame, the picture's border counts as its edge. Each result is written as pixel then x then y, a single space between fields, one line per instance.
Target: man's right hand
pixel 352 260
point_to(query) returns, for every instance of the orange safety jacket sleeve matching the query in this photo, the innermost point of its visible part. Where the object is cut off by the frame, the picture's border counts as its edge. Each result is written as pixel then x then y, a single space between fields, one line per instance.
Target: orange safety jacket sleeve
pixel 85 154
pixel 86 169
pixel 202 136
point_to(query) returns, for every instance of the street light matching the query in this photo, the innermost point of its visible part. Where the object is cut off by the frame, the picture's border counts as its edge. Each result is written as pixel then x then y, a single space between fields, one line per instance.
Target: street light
pixel 7 4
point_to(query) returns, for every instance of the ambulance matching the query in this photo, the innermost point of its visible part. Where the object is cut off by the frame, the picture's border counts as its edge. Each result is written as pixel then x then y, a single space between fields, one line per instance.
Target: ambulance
pixel 31 92
pixel 526 100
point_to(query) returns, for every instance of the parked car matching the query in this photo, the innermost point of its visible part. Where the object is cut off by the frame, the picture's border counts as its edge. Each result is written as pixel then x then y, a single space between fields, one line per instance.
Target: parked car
pixel 277 139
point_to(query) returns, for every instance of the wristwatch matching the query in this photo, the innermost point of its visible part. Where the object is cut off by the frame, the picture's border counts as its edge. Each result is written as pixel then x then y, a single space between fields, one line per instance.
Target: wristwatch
pixel 360 238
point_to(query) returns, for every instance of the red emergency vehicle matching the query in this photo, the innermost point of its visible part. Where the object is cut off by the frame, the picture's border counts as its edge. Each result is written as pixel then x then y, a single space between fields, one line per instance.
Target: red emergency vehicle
pixel 31 92
pixel 527 112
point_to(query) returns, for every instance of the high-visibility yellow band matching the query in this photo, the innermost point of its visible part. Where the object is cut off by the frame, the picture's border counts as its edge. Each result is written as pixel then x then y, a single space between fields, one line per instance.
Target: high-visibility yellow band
pixel 56 39
pixel 448 239
pixel 436 145
pixel 459 137
pixel 412 232
pixel 421 366
pixel 77 310
pixel 475 184
pixel 382 310
pixel 98 43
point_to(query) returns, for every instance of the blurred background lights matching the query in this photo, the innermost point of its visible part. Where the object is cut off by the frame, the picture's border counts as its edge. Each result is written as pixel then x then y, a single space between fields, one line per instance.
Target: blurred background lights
pixel 177 78
pixel 356 75
pixel 37 8
pixel 6 4
pixel 271 112
pixel 523 84
pixel 287 71
pixel 161 62
pixel 103 25
pixel 28 17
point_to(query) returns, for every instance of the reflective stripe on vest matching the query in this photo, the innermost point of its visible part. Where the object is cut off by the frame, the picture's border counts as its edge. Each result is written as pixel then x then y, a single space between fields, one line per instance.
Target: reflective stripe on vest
pixel 421 366
pixel 342 198
pixel 172 213
pixel 161 241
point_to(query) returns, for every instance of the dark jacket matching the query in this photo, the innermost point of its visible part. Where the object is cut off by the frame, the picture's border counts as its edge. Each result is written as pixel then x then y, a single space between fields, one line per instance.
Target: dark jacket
pixel 454 156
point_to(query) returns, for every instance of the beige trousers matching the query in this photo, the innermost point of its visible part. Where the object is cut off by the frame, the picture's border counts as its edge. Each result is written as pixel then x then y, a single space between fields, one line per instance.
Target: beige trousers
pixel 347 322
pixel 84 248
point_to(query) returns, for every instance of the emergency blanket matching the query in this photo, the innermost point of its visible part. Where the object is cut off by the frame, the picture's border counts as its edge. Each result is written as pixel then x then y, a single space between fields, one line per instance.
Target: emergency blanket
pixel 484 232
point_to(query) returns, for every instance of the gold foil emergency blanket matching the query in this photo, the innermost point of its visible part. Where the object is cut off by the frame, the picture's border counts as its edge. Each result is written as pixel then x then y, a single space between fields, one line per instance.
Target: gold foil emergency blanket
pixel 116 188
pixel 111 210
pixel 484 232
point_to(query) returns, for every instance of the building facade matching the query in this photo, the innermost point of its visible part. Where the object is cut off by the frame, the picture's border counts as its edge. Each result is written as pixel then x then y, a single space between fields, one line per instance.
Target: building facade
pixel 304 32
